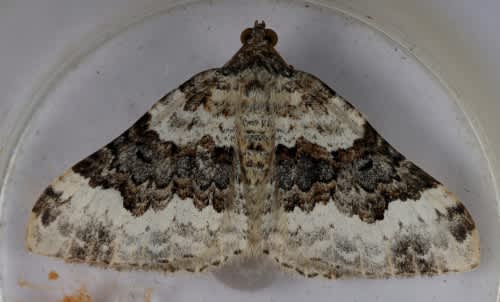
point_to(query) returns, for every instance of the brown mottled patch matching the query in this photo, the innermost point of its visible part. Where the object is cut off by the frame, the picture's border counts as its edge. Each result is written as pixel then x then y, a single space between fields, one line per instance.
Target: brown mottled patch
pixel 306 201
pixel 48 204
pixel 221 201
pixel 404 264
pixel 168 267
pixel 148 171
pixel 300 271
pixel 426 267
pixel 413 243
pixel 439 215
pixel 329 275
pixel 410 253
pixel 64 228
pixel 316 95
pixel 76 253
pixel 43 202
pixel 198 90
pixel 253 85
pixel 94 244
pixel 460 221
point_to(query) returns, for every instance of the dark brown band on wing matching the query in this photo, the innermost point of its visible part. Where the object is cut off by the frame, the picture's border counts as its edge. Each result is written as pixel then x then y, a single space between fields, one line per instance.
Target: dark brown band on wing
pixel 148 171
pixel 362 180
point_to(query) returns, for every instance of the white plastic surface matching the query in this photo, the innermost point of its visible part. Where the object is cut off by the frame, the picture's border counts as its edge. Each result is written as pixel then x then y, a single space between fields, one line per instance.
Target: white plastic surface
pixel 111 84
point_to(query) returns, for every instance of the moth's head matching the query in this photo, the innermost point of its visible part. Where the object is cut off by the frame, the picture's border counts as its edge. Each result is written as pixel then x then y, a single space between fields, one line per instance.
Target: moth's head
pixel 258 52
pixel 259 35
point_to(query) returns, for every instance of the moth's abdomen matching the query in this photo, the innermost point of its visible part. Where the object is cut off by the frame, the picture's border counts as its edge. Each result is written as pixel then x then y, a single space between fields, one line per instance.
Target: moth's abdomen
pixel 255 144
pixel 255 139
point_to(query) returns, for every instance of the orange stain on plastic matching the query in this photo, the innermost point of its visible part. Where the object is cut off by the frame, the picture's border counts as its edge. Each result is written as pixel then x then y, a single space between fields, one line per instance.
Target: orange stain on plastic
pixel 80 296
pixel 53 276
pixel 26 284
pixel 148 295
pixel 23 283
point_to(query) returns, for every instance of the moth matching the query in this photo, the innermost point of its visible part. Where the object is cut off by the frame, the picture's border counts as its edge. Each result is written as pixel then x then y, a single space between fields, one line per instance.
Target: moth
pixel 254 159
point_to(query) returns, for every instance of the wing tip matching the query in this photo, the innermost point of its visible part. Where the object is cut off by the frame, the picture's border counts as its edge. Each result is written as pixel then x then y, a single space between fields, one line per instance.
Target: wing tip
pixel 475 249
pixel 29 237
